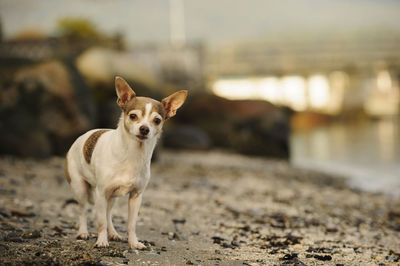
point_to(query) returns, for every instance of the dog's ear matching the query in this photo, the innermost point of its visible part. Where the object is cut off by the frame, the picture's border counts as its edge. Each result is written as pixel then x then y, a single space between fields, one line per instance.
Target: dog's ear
pixel 124 91
pixel 173 102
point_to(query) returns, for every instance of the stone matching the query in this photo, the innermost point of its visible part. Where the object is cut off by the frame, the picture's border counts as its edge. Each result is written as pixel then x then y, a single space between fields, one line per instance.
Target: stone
pixel 249 127
pixel 43 108
pixel 186 137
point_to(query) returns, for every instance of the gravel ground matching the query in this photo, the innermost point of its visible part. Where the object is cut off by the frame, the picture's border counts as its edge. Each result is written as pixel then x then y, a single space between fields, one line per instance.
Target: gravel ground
pixel 203 208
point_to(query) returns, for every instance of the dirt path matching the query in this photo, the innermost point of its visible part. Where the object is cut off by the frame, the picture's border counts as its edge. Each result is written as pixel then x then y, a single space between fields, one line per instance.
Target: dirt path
pixel 203 208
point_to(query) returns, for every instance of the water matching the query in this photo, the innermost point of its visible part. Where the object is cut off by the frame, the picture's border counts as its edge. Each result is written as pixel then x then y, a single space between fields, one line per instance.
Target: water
pixel 367 153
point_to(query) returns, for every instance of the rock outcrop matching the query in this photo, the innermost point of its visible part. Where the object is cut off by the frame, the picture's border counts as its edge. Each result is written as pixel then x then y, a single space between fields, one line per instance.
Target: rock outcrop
pixel 43 108
pixel 249 127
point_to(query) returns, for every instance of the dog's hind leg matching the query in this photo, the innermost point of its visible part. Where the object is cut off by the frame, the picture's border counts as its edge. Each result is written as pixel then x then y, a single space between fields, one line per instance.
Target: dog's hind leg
pixel 81 190
pixel 112 233
pixel 101 213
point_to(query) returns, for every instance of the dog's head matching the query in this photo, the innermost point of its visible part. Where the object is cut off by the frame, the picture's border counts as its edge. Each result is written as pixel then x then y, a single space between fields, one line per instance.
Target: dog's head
pixel 144 117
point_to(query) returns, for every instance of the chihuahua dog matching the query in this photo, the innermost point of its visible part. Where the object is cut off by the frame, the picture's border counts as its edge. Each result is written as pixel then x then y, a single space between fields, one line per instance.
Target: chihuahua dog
pixel 107 163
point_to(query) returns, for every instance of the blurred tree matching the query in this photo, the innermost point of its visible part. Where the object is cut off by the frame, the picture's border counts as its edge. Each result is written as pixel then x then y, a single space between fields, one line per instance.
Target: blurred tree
pixel 78 28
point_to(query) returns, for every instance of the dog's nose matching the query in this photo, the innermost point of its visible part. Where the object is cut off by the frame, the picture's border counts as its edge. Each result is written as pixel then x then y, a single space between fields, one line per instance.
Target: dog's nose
pixel 144 130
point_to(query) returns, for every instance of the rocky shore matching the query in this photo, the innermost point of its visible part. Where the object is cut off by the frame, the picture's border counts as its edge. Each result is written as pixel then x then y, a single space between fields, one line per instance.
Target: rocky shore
pixel 202 208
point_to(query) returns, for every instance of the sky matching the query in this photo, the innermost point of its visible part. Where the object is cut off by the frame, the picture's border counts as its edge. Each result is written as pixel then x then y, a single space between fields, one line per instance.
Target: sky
pixel 205 20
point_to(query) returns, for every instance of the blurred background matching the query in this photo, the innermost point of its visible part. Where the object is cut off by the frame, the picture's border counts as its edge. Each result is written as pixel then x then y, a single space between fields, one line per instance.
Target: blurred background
pixel 315 82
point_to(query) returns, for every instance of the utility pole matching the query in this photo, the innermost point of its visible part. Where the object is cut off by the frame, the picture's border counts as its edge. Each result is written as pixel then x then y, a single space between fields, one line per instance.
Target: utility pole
pixel 177 23
pixel 1 30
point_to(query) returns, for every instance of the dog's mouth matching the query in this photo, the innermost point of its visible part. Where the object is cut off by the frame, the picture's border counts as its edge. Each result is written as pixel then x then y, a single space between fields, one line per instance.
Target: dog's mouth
pixel 141 137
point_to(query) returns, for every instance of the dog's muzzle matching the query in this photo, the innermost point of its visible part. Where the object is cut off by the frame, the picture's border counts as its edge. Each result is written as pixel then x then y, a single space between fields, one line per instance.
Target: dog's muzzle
pixel 144 131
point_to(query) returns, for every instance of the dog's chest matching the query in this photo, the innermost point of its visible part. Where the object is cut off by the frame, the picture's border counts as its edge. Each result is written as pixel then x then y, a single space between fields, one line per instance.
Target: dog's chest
pixel 128 181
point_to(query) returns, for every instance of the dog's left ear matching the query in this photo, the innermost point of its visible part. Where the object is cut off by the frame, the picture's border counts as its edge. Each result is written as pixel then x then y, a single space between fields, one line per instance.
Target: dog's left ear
pixel 173 102
pixel 124 91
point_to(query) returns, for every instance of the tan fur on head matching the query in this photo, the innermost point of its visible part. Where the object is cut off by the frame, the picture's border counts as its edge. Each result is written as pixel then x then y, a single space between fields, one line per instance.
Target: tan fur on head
pixel 139 103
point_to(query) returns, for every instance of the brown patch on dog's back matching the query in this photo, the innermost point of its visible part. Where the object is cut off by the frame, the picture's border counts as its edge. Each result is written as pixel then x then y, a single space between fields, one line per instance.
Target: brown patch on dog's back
pixel 90 143
pixel 67 176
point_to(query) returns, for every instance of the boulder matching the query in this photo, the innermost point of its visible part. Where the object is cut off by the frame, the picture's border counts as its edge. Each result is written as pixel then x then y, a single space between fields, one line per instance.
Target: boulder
pixel 43 108
pixel 246 126
pixel 186 137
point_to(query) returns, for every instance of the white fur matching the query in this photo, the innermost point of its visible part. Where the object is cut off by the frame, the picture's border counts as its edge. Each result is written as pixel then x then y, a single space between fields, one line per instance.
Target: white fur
pixel 119 161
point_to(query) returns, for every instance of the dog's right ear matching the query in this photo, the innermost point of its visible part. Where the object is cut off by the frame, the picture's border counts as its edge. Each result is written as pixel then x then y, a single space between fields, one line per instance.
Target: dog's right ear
pixel 124 91
pixel 173 102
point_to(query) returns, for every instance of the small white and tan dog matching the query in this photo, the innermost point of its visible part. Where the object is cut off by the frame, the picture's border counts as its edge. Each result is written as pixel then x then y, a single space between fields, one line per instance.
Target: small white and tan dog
pixel 107 163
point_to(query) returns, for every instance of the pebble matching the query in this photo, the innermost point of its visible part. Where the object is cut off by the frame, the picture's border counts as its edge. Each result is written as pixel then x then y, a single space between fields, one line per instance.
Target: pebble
pixel 217 239
pixel 173 236
pixel 179 221
pixel 5 213
pixel 20 213
pixel 347 251
pixel 392 258
pixel 289 256
pixel 235 244
pixel 7 227
pixel 298 246
pixel 32 234
pixel 226 245
pixel 332 230
pixel 17 239
pixel 323 258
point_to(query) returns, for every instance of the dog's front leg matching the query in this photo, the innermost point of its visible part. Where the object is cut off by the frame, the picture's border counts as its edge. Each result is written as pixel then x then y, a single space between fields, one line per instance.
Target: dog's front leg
pixel 101 212
pixel 112 233
pixel 134 204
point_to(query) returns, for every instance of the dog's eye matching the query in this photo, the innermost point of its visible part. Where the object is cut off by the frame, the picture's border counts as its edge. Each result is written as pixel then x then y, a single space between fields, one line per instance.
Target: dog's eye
pixel 157 121
pixel 132 116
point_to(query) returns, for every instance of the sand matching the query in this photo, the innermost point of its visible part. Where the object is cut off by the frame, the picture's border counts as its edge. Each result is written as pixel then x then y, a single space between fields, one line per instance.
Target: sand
pixel 202 208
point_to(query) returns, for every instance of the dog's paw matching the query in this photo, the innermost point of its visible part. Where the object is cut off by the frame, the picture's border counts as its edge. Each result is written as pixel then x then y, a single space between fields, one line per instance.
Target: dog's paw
pixel 136 245
pixel 115 237
pixel 101 244
pixel 83 236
